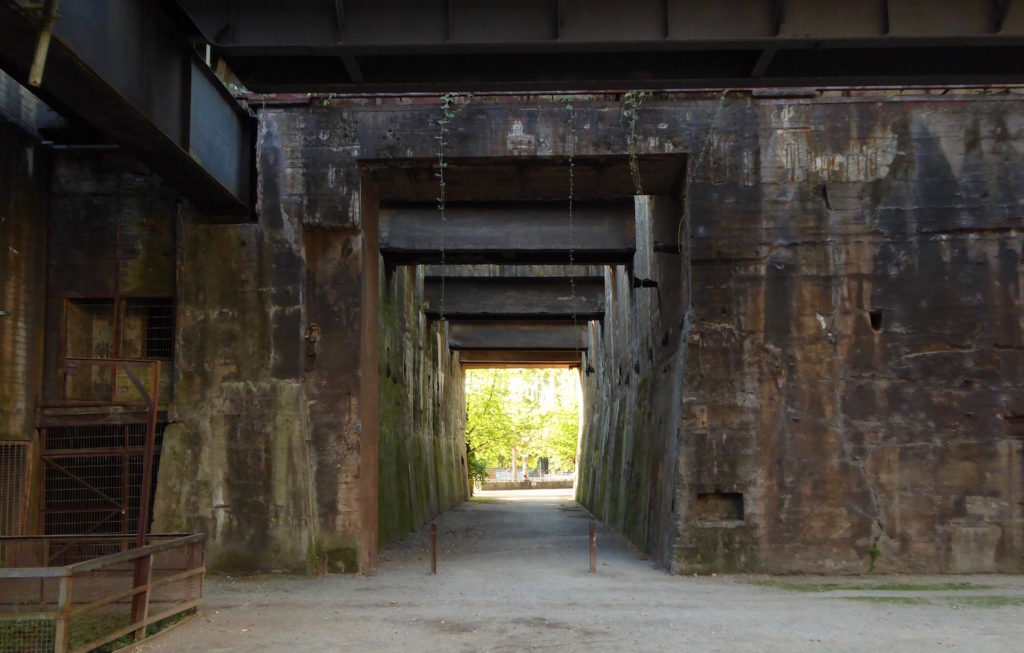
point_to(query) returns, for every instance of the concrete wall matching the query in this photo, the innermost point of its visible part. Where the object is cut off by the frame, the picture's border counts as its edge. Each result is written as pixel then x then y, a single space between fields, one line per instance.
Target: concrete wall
pixel 24 177
pixel 852 434
pixel 274 449
pixel 763 420
pixel 422 412
pixel 112 233
pixel 632 384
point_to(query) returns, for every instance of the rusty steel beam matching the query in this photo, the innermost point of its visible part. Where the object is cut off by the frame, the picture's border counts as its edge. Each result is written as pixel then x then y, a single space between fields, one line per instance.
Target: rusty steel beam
pixel 122 67
pixel 510 298
pixel 431 45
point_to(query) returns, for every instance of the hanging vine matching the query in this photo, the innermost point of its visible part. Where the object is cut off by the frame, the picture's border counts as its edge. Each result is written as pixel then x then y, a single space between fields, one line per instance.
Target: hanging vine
pixel 449 109
pixel 631 103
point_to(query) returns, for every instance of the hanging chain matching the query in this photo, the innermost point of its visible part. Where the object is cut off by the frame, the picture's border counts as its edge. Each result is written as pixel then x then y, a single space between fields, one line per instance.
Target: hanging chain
pixel 572 170
pixel 447 113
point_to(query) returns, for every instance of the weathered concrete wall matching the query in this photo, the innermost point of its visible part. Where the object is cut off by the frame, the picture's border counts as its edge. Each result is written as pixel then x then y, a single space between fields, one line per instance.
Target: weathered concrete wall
pixel 855 365
pixel 422 411
pixel 234 461
pixel 112 226
pixel 238 462
pixel 632 384
pixel 24 177
pixel 779 423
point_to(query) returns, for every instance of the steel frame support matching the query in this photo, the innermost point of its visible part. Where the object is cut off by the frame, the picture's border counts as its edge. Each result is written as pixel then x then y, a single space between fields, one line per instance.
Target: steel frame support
pixel 123 68
pixel 514 298
pixel 404 45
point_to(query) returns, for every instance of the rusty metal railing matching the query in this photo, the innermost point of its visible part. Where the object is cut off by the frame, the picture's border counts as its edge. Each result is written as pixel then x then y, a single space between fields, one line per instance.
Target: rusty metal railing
pixel 80 606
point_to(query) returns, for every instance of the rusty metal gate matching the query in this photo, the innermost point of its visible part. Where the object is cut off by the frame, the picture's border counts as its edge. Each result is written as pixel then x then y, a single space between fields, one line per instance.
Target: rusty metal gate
pixel 92 477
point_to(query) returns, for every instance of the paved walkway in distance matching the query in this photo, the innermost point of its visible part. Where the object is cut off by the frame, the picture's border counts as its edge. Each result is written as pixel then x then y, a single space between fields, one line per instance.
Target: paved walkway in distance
pixel 513 575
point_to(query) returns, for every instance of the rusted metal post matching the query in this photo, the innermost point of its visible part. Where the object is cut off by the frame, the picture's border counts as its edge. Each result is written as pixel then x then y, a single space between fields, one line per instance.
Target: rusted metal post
pixel 60 638
pixel 144 566
pixel 140 601
pixel 145 492
pixel 593 546
pixel 433 549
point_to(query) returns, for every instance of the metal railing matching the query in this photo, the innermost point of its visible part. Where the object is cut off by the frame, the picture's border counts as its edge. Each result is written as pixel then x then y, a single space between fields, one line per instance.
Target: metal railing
pixel 103 589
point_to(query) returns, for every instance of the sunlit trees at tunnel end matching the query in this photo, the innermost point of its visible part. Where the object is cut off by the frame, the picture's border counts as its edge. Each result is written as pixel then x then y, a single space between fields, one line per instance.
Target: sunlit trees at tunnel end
pixel 526 414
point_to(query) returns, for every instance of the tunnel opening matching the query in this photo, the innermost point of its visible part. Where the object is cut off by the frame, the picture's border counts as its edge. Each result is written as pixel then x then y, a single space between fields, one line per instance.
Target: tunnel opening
pixel 515 276
pixel 522 426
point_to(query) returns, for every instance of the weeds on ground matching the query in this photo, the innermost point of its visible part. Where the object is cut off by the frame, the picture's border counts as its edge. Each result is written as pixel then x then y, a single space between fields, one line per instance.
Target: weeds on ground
pixel 896 600
pixel 869 587
pixel 989 601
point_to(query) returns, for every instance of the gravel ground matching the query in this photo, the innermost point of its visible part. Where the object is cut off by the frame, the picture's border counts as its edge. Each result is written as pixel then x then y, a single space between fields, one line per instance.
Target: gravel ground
pixel 513 575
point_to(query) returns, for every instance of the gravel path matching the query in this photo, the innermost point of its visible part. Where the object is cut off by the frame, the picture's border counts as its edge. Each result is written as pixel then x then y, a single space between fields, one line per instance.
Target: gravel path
pixel 513 576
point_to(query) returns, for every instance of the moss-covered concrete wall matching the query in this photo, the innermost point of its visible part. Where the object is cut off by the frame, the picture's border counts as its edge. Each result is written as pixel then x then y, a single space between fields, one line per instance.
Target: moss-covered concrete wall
pixel 422 411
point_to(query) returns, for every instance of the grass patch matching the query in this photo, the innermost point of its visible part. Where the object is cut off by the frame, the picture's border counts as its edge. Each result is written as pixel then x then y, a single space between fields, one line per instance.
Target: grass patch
pixel 893 600
pixel 989 601
pixel 90 627
pixel 26 635
pixel 869 587
pixel 482 499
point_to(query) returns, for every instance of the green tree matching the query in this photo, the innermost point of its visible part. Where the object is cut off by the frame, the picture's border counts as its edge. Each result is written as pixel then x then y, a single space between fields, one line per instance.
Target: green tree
pixel 535 411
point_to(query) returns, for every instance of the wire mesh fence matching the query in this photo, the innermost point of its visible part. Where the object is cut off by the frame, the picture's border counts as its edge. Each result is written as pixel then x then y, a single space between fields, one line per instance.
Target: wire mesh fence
pixel 14 457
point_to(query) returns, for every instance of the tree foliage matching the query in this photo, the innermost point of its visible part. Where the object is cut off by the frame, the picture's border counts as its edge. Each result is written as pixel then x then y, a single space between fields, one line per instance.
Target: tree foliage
pixel 535 411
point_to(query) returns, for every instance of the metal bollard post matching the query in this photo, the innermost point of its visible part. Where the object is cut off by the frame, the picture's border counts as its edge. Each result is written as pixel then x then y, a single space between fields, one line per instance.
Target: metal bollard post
pixel 433 549
pixel 593 546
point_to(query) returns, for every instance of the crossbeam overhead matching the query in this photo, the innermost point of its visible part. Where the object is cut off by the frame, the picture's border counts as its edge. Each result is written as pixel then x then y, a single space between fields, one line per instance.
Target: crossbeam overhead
pixel 446 45
pixel 533 232
pixel 497 298
pixel 517 336
pixel 519 358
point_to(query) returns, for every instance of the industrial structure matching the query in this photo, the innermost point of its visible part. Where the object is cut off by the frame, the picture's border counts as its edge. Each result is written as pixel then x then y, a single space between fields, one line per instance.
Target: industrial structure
pixel 781 240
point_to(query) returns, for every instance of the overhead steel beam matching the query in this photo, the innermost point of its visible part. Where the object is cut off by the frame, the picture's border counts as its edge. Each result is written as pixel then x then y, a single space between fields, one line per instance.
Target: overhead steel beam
pixel 596 178
pixel 122 67
pixel 521 232
pixel 525 336
pixel 405 45
pixel 520 358
pixel 507 298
